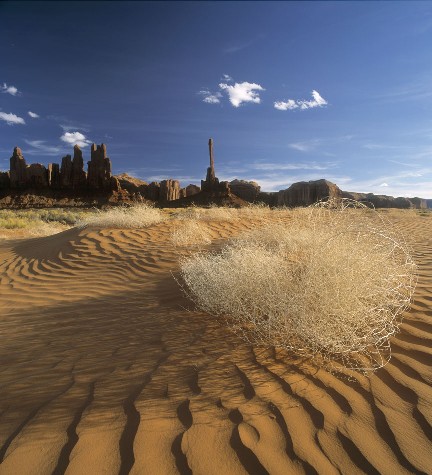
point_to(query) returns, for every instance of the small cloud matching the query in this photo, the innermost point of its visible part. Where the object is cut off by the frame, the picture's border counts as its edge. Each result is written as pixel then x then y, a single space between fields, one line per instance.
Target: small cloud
pixel 75 138
pixel 33 115
pixel 291 104
pixel 305 146
pixel 12 90
pixel 227 77
pixel 11 119
pixel 383 184
pixel 209 97
pixel 242 92
pixel 292 166
pixel 68 128
pixel 42 146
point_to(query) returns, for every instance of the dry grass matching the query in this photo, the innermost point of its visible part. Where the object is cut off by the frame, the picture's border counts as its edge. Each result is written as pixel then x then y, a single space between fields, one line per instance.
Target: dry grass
pixel 138 216
pixel 191 232
pixel 331 284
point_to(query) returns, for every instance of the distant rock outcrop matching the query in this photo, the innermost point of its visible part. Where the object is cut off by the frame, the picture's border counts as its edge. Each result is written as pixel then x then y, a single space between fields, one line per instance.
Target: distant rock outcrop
pixel 211 184
pixel 37 176
pixel 70 176
pixel 384 201
pixel 18 169
pixel 99 168
pixel 246 190
pixel 79 176
pixel 153 191
pixel 192 190
pixel 169 190
pixel 54 175
pixel 132 184
pixel 306 193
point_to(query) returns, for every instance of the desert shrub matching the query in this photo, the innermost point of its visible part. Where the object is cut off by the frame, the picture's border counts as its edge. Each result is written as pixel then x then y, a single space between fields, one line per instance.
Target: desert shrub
pixel 331 284
pixel 190 232
pixel 212 213
pixel 138 216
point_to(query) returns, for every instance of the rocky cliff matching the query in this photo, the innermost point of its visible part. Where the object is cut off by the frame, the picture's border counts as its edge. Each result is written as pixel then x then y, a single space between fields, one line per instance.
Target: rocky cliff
pixel 384 201
pixel 306 193
pixel 246 190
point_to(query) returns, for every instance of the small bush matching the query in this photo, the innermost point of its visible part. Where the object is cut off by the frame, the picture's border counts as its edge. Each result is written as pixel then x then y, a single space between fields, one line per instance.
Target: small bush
pixel 138 216
pixel 331 285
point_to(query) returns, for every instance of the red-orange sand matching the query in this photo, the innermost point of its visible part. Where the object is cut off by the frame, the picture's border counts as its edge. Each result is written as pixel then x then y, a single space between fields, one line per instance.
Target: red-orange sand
pixel 105 371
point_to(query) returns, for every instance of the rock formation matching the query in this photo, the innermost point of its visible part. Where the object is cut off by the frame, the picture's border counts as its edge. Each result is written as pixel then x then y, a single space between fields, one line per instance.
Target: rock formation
pixel 247 190
pixel 54 175
pixel 211 183
pixel 384 201
pixel 132 184
pixel 4 180
pixel 306 193
pixel 99 168
pixel 192 190
pixel 18 169
pixel 37 176
pixel 153 191
pixel 169 190
pixel 66 172
pixel 79 176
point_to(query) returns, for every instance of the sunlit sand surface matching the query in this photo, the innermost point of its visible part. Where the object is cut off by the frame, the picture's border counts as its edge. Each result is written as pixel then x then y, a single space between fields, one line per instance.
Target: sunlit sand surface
pixel 106 370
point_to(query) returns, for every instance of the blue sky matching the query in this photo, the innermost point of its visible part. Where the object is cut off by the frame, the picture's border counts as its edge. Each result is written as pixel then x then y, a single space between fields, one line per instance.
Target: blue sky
pixel 289 91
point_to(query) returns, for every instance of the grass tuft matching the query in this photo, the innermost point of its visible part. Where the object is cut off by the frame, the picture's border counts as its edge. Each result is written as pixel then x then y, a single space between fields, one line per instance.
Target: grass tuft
pixel 138 216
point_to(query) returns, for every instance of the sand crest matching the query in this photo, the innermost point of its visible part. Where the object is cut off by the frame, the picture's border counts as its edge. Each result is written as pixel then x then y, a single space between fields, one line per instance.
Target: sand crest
pixel 104 370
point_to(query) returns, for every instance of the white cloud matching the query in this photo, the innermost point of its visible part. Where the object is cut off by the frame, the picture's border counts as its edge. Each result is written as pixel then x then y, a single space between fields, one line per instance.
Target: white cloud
pixel 11 119
pixel 33 115
pixel 292 166
pixel 227 77
pixel 209 97
pixel 383 184
pixel 291 104
pixel 305 146
pixel 75 138
pixel 242 92
pixel 68 128
pixel 12 90
pixel 41 146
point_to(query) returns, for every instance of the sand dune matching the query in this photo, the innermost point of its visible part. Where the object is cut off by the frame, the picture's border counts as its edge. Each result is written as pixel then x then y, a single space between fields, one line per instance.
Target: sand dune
pixel 105 370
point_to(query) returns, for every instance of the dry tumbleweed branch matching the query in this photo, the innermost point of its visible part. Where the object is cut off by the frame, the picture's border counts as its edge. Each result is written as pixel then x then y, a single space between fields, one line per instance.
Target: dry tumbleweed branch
pixel 330 284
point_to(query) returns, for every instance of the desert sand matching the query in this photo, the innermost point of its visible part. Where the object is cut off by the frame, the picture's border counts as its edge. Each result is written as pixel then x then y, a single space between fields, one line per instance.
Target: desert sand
pixel 106 368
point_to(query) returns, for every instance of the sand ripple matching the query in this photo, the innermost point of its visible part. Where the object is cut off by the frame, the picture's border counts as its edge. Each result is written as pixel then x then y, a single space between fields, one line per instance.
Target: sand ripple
pixel 104 370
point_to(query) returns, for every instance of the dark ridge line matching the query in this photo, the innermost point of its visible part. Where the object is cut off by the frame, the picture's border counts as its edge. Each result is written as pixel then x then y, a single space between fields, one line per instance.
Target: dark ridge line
pixel 421 356
pixel 180 457
pixel 415 340
pixel 64 457
pixel 192 382
pixel 422 422
pixel 407 370
pixel 235 416
pixel 387 435
pixel 248 390
pixel 418 325
pixel 289 447
pixel 399 389
pixel 126 442
pixel 31 415
pixel 247 458
pixel 317 417
pixel 184 414
pixel 356 456
pixel 339 399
